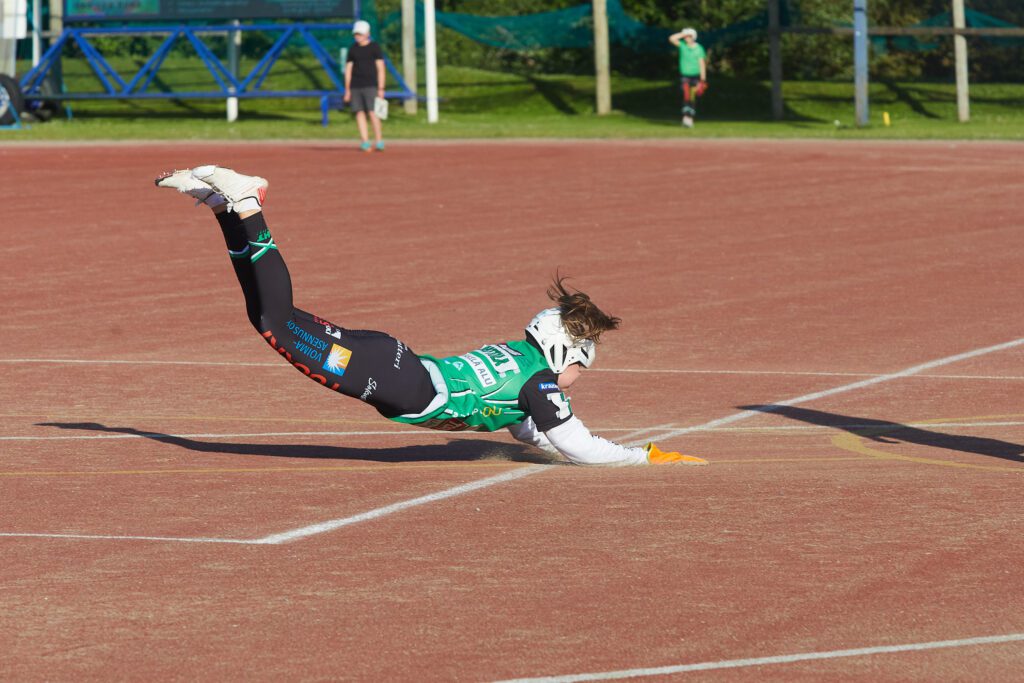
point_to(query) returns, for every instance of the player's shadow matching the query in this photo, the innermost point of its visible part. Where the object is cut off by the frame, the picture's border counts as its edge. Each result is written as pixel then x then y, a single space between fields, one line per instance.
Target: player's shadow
pixel 884 431
pixel 453 450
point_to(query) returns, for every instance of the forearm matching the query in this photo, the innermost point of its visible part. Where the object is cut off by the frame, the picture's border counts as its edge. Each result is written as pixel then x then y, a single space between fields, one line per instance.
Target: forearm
pixel 703 70
pixel 380 75
pixel 527 433
pixel 575 442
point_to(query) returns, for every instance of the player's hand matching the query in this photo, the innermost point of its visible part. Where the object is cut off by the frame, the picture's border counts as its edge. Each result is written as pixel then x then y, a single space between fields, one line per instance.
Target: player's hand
pixel 380 93
pixel 348 97
pixel 702 87
pixel 656 456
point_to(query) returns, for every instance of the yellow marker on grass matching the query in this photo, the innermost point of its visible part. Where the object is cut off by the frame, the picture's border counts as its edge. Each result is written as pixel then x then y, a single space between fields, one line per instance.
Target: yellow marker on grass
pixel 885 118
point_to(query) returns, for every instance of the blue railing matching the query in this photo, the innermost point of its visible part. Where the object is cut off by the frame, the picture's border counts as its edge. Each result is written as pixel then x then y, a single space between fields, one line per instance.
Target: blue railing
pixel 229 85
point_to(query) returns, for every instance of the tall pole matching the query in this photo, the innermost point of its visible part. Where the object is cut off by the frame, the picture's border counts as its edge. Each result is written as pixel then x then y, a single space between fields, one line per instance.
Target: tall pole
pixel 36 28
pixel 963 100
pixel 56 75
pixel 775 58
pixel 860 60
pixel 409 52
pixel 234 45
pixel 430 55
pixel 602 62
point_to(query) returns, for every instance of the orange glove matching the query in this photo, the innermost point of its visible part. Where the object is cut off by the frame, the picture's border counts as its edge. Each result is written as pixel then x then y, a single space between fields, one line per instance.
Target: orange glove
pixel 656 456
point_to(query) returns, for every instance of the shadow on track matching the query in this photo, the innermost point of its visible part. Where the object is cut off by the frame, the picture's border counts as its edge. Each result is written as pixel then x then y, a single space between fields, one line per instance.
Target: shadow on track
pixel 884 431
pixel 454 450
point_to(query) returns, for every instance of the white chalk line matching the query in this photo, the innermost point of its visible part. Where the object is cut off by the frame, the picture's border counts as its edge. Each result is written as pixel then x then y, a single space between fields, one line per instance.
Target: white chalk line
pixel 373 514
pixel 777 659
pixel 639 371
pixel 320 527
pixel 768 407
pixel 333 524
pixel 631 431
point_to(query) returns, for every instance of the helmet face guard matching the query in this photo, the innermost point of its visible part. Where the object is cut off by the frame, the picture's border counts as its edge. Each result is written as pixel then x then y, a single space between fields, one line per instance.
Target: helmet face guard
pixel 559 348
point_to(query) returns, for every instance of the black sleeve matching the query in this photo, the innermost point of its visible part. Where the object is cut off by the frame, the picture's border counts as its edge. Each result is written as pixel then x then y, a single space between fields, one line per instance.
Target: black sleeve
pixel 541 399
pixel 378 51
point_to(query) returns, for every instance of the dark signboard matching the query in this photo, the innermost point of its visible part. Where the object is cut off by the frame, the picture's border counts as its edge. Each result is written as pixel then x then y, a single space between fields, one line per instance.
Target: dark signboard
pixel 181 10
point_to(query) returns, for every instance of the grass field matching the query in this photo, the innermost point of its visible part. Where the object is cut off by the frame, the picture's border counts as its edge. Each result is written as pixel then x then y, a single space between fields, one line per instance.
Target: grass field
pixel 486 104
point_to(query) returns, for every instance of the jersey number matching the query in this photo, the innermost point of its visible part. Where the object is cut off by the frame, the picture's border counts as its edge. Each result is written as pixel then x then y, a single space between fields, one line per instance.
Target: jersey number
pixel 562 403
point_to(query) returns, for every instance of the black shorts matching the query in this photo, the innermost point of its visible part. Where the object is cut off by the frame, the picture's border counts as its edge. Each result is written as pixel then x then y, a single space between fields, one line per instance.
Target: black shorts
pixel 371 366
pixel 362 98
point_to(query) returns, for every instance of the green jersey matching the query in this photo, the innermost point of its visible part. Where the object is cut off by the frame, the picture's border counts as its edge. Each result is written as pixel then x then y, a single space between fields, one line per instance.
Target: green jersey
pixel 495 386
pixel 689 59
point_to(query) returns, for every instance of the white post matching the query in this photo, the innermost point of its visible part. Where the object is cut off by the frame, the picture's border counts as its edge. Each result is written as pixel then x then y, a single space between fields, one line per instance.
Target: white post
pixel 234 45
pixel 602 60
pixel 430 54
pixel 963 100
pixel 36 34
pixel 409 52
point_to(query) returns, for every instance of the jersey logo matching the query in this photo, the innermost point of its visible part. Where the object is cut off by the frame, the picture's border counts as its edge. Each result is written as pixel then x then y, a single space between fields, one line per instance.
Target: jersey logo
pixel 501 359
pixel 562 403
pixel 338 360
pixel 547 386
pixel 483 373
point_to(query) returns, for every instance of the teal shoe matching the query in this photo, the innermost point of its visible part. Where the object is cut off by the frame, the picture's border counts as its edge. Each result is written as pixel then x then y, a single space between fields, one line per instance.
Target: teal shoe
pixel 380 146
pixel 366 147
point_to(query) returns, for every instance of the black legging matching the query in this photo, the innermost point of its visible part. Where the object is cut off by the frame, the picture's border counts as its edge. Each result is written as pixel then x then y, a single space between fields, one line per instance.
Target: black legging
pixel 368 365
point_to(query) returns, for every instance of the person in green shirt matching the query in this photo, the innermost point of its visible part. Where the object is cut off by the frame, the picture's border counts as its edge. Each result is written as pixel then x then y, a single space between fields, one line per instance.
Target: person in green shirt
pixel 693 71
pixel 517 385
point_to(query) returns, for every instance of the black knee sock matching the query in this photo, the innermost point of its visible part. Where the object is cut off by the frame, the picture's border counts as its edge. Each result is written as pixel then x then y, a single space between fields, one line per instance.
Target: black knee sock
pixel 271 281
pixel 261 272
pixel 234 232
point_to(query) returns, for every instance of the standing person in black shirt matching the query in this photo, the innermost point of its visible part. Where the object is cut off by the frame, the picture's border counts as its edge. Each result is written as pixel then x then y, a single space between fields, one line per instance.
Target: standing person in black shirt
pixel 364 81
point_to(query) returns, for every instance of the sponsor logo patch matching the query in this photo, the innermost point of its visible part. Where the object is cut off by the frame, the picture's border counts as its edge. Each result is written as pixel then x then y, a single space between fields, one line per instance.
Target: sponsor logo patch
pixel 304 369
pixel 483 373
pixel 338 360
pixel 399 350
pixel 547 386
pixel 502 359
pixel 371 386
pixel 310 339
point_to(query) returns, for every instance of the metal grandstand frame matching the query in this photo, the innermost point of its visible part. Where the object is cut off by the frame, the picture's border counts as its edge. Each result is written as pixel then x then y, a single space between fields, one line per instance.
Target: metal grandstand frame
pixel 230 85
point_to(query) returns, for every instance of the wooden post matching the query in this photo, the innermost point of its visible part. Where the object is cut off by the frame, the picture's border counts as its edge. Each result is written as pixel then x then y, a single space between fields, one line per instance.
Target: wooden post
pixel 409 52
pixel 963 100
pixel 775 58
pixel 602 61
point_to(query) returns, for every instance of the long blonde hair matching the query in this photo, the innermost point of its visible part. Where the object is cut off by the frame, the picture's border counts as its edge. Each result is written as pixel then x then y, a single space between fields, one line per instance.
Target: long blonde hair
pixel 580 316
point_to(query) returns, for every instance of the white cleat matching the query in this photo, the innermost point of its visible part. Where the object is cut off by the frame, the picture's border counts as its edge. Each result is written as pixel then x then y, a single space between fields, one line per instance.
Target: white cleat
pixel 242 192
pixel 185 183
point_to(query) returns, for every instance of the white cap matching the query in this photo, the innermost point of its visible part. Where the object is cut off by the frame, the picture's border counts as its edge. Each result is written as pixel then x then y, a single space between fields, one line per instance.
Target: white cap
pixel 362 27
pixel 690 32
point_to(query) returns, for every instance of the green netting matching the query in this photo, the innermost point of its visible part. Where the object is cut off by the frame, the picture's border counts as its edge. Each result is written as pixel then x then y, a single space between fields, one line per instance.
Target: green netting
pixel 573 28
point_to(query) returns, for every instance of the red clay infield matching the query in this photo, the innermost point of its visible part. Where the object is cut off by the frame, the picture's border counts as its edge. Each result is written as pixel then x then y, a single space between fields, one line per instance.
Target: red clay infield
pixel 150 437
